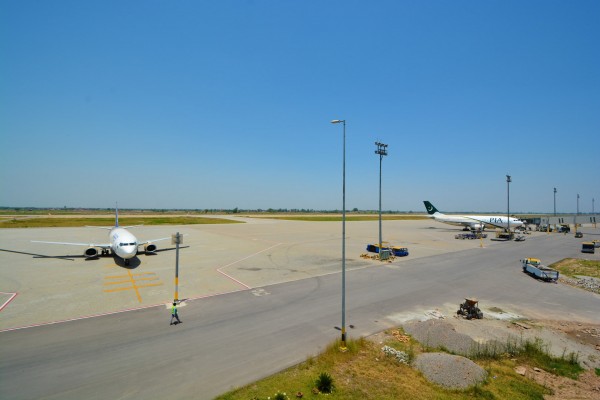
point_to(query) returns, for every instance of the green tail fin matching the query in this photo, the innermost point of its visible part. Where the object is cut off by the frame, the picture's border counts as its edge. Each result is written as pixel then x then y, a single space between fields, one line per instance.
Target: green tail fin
pixel 430 208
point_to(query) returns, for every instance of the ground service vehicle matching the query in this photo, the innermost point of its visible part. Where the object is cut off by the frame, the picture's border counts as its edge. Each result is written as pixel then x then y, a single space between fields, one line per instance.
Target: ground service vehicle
pixel 395 250
pixel 469 309
pixel 534 267
pixel 588 247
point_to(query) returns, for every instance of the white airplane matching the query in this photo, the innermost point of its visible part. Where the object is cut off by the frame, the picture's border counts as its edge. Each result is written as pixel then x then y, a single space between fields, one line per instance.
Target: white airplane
pixel 473 222
pixel 122 243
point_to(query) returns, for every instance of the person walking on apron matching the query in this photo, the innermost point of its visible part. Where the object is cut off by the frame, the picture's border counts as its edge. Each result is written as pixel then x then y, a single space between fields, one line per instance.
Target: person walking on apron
pixel 174 314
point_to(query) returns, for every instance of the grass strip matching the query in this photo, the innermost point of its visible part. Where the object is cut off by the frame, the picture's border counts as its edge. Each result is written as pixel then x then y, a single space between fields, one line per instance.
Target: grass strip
pixel 365 372
pixel 338 218
pixel 573 266
pixel 49 222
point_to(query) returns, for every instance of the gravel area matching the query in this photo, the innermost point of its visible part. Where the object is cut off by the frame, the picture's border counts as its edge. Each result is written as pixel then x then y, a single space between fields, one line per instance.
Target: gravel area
pixel 436 333
pixel 585 282
pixel 453 372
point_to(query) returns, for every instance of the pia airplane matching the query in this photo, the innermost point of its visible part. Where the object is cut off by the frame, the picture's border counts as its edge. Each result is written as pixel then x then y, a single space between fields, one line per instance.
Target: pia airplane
pixel 473 222
pixel 123 243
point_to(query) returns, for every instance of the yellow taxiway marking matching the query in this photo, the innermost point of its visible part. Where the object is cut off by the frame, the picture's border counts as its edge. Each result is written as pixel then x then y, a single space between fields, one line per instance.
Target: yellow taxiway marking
pixel 133 279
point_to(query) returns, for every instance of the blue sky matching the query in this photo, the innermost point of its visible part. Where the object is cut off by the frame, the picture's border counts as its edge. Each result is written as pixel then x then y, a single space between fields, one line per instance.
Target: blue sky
pixel 223 104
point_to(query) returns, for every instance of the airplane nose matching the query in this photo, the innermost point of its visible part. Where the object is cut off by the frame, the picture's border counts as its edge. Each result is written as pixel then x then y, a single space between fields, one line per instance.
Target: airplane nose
pixel 127 252
pixel 130 251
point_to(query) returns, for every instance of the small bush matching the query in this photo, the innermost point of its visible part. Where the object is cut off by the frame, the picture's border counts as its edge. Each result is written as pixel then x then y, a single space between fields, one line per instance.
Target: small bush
pixel 324 383
pixel 280 396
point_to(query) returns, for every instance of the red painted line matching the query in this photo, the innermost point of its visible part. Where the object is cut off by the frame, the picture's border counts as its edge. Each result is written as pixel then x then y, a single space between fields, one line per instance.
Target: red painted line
pixel 114 312
pixel 240 260
pixel 9 300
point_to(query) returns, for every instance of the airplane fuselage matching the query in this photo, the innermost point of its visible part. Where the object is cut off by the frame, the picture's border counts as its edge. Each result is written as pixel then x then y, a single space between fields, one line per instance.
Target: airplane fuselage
pixel 478 221
pixel 474 222
pixel 123 243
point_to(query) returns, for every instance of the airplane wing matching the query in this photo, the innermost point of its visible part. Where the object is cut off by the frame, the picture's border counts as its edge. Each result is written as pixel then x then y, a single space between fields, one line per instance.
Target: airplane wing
pixel 484 222
pixel 101 245
pixel 153 240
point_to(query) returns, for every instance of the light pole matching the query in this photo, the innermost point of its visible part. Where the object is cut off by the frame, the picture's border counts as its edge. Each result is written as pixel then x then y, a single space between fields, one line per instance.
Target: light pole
pixel 343 344
pixel 382 151
pixel 508 181
pixel 577 203
pixel 555 202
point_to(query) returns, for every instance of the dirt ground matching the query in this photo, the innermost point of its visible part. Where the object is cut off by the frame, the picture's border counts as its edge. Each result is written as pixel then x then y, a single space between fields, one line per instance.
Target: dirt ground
pixel 561 337
pixel 587 387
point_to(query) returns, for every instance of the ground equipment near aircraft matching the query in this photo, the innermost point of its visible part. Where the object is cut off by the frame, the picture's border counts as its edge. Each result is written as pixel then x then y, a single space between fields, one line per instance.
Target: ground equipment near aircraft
pixel 504 235
pixel 394 250
pixel 471 235
pixel 588 247
pixel 534 267
pixel 469 309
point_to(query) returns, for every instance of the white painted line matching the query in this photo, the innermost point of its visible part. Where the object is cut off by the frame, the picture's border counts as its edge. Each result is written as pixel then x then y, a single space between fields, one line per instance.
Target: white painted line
pixel 240 260
pixel 9 300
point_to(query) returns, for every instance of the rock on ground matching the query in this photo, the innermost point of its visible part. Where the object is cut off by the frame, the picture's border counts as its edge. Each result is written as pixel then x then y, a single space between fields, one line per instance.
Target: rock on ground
pixel 449 371
pixel 440 334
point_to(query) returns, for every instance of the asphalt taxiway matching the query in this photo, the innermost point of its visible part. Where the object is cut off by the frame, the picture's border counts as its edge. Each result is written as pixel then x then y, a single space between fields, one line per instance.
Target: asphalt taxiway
pixel 249 332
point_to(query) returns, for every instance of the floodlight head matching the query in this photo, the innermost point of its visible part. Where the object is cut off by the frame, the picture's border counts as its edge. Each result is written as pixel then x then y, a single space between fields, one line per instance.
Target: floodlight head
pixel 508 178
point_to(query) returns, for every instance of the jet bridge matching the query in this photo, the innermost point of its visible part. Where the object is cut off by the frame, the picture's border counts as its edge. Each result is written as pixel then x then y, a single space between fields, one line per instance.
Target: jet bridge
pixel 575 220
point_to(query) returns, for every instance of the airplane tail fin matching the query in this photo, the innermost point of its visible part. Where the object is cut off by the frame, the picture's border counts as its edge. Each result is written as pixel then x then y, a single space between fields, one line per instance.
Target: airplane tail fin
pixel 430 208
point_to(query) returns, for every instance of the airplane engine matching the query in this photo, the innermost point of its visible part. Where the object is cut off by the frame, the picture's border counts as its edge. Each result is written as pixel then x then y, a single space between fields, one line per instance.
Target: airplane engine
pixel 90 252
pixel 150 247
pixel 477 227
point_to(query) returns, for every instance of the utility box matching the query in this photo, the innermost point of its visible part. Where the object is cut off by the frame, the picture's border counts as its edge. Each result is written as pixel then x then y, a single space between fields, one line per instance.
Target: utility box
pixel 384 254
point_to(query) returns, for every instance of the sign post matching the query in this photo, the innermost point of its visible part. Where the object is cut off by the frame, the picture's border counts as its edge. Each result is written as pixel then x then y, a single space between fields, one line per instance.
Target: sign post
pixel 176 239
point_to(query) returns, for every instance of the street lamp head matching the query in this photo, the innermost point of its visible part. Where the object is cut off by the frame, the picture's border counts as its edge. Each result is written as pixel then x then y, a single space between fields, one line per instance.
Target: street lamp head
pixel 508 178
pixel 337 121
pixel 381 149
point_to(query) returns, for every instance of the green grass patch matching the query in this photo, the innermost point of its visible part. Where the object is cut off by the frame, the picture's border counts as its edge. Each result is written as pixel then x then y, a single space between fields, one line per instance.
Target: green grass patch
pixel 49 222
pixel 573 266
pixel 365 372
pixel 338 218
pixel 531 352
